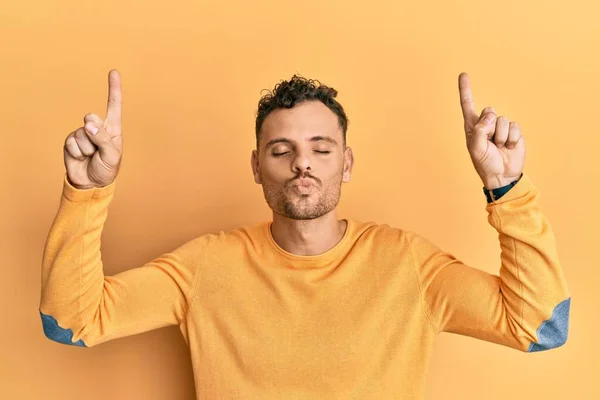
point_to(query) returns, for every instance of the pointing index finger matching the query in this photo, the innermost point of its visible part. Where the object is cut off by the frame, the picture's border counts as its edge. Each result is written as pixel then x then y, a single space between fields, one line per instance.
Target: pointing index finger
pixel 466 98
pixel 113 108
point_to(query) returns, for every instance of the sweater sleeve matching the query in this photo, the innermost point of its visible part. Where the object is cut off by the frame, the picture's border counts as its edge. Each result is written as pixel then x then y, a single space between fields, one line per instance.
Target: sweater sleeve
pixel 526 306
pixel 81 306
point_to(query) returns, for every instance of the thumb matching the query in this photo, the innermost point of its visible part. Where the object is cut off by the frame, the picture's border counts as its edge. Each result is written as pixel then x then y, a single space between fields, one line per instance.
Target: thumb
pixel 102 140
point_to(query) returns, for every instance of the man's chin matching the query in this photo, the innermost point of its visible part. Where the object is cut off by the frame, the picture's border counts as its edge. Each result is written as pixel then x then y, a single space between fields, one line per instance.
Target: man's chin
pixel 300 214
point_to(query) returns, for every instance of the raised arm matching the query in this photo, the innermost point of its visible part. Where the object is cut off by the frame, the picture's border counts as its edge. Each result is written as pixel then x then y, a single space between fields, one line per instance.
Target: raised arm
pixel 80 305
pixel 527 305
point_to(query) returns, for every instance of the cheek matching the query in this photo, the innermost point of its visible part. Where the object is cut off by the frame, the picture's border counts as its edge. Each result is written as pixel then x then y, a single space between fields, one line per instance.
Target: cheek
pixel 333 170
pixel 275 172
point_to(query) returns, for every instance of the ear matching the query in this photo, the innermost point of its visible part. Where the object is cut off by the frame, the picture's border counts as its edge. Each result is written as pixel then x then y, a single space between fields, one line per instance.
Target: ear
pixel 348 164
pixel 255 167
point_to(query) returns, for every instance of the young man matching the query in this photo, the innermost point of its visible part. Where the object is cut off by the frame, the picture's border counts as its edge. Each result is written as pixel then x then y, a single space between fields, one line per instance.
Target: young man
pixel 306 306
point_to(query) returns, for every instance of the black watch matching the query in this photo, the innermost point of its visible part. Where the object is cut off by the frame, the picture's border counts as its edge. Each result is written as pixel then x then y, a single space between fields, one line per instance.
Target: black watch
pixel 495 194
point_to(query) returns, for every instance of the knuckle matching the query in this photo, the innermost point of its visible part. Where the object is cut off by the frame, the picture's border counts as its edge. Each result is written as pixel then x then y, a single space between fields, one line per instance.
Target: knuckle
pixel 78 133
pixel 514 139
pixel 75 152
pixel 82 142
pixel 91 117
pixel 480 127
pixel 70 141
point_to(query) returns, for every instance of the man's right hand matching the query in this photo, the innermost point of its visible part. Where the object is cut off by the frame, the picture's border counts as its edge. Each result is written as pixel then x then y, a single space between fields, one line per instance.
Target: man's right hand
pixel 93 152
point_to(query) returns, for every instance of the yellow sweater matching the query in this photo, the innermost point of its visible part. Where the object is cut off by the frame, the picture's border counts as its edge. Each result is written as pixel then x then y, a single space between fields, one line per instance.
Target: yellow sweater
pixel 356 322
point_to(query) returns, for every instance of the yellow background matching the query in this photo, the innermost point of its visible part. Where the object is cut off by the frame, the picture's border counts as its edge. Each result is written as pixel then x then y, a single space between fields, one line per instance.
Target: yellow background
pixel 192 73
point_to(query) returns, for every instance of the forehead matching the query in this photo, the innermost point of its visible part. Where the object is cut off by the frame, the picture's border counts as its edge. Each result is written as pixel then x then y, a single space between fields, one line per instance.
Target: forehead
pixel 306 118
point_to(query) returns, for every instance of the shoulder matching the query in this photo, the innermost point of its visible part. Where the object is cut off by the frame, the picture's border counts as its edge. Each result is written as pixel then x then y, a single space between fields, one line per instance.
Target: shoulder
pixel 385 235
pixel 232 238
pixel 372 229
pixel 382 235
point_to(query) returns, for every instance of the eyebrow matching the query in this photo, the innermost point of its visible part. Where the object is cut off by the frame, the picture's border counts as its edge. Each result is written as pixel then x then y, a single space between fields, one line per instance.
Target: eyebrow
pixel 312 139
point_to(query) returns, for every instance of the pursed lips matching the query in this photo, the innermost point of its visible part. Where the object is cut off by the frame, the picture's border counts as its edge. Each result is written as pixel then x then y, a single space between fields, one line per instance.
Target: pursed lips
pixel 303 182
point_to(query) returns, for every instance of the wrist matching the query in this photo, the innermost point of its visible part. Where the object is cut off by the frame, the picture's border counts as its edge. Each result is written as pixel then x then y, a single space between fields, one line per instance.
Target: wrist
pixel 499 182
pixel 496 193
pixel 78 187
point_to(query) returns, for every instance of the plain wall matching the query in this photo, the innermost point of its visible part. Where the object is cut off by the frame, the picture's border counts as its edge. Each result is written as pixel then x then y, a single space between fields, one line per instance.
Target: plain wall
pixel 192 74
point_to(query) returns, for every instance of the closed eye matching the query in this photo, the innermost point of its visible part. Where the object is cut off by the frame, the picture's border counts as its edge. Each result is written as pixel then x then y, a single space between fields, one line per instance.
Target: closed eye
pixel 286 152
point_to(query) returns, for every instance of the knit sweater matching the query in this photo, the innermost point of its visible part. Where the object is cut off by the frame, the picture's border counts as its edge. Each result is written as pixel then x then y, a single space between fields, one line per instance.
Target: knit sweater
pixel 355 322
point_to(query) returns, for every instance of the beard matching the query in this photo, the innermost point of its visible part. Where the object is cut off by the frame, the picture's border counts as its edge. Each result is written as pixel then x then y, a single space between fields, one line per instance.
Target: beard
pixel 285 201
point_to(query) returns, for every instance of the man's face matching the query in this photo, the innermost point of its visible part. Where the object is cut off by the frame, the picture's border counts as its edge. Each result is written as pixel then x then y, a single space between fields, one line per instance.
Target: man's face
pixel 301 162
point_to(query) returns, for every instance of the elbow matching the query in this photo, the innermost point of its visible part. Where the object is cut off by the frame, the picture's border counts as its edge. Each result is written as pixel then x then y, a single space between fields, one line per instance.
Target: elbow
pixel 553 333
pixel 56 333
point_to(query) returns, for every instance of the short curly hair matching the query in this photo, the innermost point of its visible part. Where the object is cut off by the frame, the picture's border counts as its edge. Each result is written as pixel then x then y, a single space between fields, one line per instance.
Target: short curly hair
pixel 298 89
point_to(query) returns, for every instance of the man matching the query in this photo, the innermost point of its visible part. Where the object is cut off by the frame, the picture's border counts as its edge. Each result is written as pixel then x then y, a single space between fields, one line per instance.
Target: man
pixel 306 306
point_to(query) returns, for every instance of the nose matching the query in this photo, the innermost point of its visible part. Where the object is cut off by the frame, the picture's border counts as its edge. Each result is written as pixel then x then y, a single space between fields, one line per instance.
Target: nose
pixel 301 163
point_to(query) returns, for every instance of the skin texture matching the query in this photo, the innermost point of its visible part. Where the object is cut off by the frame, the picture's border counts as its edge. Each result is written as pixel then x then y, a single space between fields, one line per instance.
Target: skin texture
pixel 304 220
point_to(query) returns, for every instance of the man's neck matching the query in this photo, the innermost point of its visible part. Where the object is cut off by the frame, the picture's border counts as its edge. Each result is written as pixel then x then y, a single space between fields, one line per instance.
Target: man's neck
pixel 308 237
